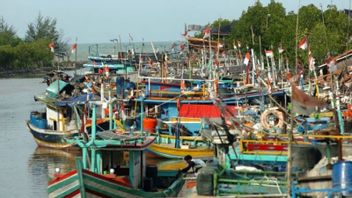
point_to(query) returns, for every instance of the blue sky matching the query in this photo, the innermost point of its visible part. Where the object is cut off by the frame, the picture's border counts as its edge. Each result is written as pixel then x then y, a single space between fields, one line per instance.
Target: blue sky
pixel 151 20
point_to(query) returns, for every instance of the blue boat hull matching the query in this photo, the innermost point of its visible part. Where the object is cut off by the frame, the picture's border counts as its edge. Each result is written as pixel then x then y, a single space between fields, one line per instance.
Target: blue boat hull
pixel 50 138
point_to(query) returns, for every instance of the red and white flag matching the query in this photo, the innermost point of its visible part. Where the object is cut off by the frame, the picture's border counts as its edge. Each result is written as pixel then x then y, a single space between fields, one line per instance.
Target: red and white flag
pixel 269 53
pixel 73 48
pixel 52 46
pixel 247 58
pixel 206 32
pixel 302 103
pixel 303 43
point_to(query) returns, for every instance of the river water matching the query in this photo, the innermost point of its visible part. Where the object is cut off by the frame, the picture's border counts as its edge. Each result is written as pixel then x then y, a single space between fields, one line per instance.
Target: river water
pixel 24 168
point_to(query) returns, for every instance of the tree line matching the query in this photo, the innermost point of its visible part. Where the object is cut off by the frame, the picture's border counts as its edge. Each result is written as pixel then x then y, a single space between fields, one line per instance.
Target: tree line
pixel 33 50
pixel 328 31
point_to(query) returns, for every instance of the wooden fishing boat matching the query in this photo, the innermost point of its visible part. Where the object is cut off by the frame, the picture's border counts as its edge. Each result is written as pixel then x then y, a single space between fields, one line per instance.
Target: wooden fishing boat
pixel 165 146
pixel 61 119
pixel 115 65
pixel 51 127
pixel 113 151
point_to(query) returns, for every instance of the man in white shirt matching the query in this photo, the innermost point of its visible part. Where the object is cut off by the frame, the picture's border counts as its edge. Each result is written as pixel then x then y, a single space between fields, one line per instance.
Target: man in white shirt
pixel 194 164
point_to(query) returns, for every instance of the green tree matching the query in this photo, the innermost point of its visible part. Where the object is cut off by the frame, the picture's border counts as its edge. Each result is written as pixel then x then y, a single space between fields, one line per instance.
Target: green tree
pixel 45 28
pixel 7 57
pixel 7 34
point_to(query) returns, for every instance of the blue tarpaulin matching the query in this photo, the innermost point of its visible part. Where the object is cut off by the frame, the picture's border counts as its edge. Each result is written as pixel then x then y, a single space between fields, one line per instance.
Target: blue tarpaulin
pixel 76 100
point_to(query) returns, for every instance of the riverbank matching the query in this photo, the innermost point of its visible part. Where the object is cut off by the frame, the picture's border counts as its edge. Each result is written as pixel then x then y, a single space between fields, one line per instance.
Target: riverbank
pixel 34 72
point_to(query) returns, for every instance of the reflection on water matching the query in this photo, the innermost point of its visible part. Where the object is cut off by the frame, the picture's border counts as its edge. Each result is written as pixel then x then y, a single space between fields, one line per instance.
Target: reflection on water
pixel 44 161
pixel 25 169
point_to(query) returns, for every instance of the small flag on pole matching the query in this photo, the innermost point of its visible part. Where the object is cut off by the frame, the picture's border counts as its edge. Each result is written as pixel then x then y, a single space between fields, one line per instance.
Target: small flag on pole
pixel 247 58
pixel 73 48
pixel 206 32
pixel 269 53
pixel 303 43
pixel 52 46
pixel 281 50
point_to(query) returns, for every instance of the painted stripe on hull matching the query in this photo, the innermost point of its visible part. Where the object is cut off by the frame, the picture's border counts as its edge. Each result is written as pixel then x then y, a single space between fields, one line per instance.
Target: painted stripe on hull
pixel 102 187
pixel 64 187
pixel 45 139
pixel 175 153
pixel 108 188
pixel 52 145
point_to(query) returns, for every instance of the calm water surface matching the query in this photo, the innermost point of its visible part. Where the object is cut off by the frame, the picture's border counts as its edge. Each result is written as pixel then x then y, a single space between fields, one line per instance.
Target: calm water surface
pixel 24 168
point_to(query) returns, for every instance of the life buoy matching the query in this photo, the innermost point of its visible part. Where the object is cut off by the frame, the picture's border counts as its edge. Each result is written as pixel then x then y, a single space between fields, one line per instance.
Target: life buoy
pixel 268 122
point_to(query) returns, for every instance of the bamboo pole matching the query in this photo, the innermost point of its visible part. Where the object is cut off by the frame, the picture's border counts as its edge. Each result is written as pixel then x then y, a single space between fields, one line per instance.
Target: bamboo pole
pixel 290 132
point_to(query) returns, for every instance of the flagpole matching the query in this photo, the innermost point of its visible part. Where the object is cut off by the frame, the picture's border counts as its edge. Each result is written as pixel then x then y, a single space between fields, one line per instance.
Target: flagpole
pixel 75 63
pixel 309 71
pixel 261 55
pixel 253 61
pixel 273 70
pixel 253 67
pixel 268 66
pixel 290 135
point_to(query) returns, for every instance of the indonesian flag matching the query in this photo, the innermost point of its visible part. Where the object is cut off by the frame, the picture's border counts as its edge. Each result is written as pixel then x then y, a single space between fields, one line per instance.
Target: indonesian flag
pixel 269 53
pixel 304 104
pixel 73 48
pixel 247 58
pixel 52 46
pixel 206 32
pixel 303 44
pixel 281 50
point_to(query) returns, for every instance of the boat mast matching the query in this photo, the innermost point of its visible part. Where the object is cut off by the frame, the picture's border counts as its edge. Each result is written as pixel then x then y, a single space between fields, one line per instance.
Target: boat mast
pixel 75 63
pixel 290 132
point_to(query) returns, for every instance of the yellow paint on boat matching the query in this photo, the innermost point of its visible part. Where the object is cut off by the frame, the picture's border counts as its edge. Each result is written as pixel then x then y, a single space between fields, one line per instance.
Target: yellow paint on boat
pixel 52 145
pixel 172 165
pixel 166 150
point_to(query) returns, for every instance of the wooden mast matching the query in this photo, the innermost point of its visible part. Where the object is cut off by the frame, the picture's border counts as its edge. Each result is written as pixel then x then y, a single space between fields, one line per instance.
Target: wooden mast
pixel 290 132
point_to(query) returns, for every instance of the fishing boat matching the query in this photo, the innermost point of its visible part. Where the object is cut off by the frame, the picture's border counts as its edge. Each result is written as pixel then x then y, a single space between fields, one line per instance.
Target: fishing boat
pixel 62 117
pixel 165 146
pixel 51 127
pixel 124 157
pixel 112 63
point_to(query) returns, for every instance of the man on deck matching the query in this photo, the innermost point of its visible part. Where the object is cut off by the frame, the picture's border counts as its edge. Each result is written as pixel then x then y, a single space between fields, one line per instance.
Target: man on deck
pixel 194 164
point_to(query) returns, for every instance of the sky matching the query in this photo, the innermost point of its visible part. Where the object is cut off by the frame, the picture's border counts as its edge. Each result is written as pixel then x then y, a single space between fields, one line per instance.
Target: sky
pixel 149 20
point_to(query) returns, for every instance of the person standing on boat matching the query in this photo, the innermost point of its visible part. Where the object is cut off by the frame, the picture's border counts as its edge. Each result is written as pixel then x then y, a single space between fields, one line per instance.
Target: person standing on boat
pixel 194 164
